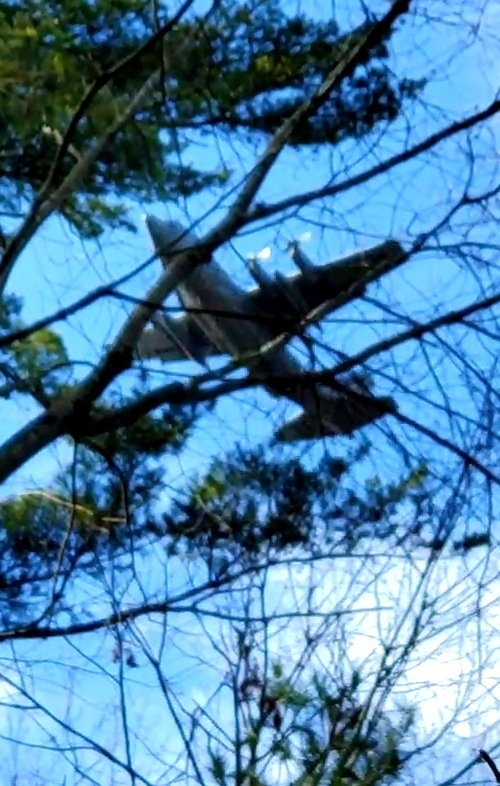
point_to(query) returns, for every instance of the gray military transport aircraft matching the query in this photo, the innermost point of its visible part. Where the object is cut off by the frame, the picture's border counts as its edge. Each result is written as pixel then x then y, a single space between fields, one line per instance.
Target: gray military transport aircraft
pixel 223 319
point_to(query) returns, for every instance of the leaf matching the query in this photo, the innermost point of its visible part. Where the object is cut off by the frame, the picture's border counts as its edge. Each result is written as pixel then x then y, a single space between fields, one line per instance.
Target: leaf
pixel 218 768
pixel 54 61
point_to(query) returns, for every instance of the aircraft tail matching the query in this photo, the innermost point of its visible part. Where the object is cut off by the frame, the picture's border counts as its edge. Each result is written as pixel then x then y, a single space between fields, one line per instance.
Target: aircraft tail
pixel 335 417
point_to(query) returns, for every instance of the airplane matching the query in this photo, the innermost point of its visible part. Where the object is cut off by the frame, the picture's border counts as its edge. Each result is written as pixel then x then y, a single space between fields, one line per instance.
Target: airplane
pixel 223 319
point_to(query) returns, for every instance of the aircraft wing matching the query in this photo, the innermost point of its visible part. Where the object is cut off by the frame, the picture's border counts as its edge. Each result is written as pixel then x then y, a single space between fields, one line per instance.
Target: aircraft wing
pixel 341 415
pixel 295 297
pixel 174 339
pixel 283 301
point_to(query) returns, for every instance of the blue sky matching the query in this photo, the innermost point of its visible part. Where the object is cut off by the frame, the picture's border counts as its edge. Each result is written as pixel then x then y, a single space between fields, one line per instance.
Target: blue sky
pixel 57 269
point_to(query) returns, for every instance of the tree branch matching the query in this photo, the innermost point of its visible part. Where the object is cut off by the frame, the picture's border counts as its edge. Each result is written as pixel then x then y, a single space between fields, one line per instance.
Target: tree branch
pixel 104 79
pixel 45 204
pixel 262 211
pixel 126 615
pixel 65 414
pixel 239 213
pixel 485 756
pixel 41 211
pixel 413 333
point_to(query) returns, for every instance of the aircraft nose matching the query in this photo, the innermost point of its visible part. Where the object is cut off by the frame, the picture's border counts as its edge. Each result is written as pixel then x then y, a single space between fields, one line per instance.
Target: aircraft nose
pixel 151 222
pixel 169 236
pixel 162 232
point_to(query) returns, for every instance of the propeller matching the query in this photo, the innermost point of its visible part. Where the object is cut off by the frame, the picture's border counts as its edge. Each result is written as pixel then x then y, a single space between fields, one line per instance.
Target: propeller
pixel 294 248
pixel 258 273
pixel 260 256
pixel 295 242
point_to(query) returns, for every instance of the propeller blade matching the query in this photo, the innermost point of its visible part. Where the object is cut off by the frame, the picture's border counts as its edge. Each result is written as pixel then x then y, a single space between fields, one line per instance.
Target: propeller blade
pixel 261 255
pixel 294 245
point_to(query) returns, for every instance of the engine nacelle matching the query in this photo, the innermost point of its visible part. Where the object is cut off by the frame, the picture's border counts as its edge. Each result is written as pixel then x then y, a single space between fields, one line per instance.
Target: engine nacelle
pixel 258 273
pixel 299 257
pixel 256 270
pixel 291 293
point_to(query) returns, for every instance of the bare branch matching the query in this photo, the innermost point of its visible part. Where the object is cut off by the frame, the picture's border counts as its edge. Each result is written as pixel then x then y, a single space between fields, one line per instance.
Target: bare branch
pixel 65 413
pixel 491 764
pixel 46 203
pixel 262 211
pixel 123 616
pixel 417 331
pixel 239 213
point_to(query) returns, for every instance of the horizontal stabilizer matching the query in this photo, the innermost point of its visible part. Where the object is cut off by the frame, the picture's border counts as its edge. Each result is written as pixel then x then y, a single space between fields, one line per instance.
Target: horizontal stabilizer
pixel 333 418
pixel 173 339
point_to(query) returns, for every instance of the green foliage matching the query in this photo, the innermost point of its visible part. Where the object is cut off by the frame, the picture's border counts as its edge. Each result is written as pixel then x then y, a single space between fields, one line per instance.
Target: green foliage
pixel 251 505
pixel 100 504
pixel 239 72
pixel 150 435
pixel 38 361
pixel 37 365
pixel 218 768
pixel 43 537
pixel 10 308
pixel 104 502
pixel 329 730
pixel 245 68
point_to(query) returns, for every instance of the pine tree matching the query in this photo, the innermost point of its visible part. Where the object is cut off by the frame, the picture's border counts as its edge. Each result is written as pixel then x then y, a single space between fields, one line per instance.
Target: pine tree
pixel 240 70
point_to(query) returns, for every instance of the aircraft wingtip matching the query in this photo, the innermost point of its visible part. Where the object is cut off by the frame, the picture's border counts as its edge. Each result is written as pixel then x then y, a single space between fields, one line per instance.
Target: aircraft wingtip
pixel 148 219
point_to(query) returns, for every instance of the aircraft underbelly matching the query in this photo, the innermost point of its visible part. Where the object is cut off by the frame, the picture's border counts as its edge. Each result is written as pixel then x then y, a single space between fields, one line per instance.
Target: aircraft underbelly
pixel 230 321
pixel 237 336
pixel 211 297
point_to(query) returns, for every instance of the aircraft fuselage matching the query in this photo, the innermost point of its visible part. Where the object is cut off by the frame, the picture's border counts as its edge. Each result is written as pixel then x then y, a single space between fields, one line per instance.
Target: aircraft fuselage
pixel 209 288
pixel 225 314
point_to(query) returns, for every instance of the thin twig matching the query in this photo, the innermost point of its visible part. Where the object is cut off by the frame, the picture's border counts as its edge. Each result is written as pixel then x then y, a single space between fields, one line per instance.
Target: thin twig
pixel 262 211
pixel 47 203
pixel 491 764
pixel 73 408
